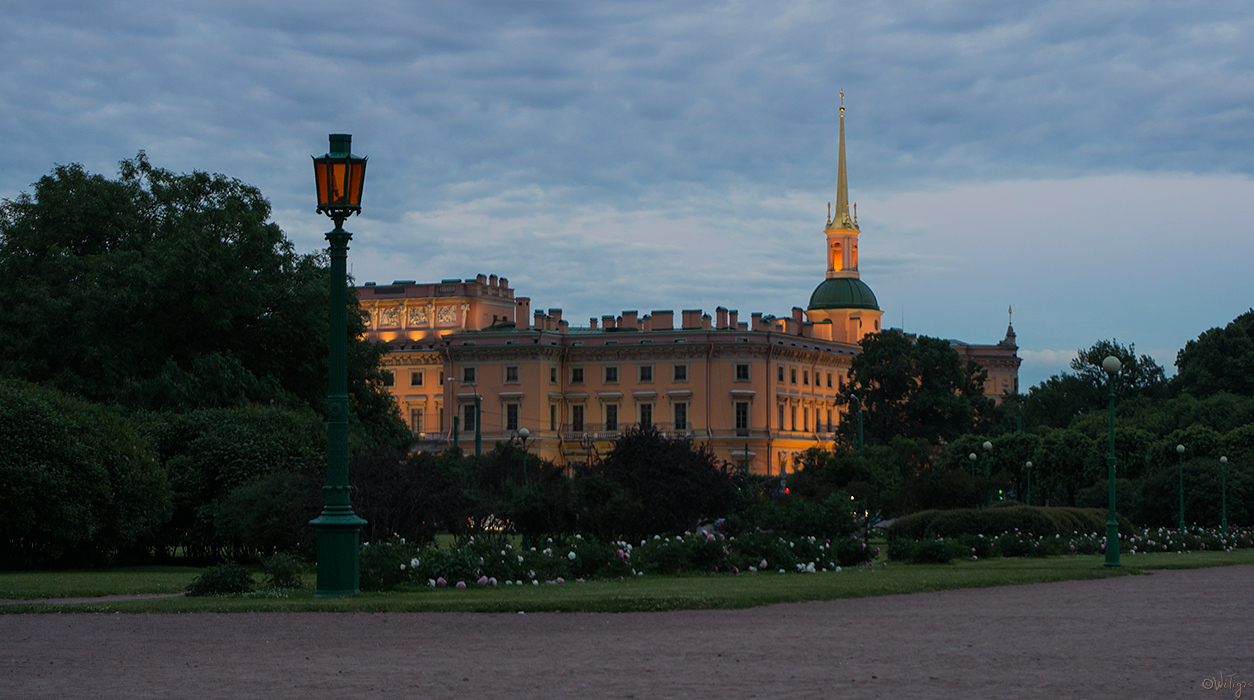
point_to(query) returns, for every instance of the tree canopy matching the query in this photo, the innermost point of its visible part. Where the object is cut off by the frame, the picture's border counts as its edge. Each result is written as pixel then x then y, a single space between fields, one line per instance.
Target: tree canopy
pixel 914 388
pixel 168 291
pixel 1221 359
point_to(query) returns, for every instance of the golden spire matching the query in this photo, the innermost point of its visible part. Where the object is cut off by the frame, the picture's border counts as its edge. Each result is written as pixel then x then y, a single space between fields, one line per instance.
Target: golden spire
pixel 842 180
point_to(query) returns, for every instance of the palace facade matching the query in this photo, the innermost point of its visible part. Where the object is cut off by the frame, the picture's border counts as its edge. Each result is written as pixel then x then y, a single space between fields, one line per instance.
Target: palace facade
pixel 757 391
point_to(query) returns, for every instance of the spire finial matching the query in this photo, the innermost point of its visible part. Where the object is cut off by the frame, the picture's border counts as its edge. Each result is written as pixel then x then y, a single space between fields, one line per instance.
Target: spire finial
pixel 842 182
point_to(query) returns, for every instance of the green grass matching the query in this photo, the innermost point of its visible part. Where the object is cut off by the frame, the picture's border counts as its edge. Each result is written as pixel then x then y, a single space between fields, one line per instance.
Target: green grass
pixel 647 593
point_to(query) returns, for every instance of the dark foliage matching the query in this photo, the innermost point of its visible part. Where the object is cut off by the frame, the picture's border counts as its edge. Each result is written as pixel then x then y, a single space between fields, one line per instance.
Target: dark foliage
pixel 650 485
pixel 223 579
pixel 1220 360
pixel 79 487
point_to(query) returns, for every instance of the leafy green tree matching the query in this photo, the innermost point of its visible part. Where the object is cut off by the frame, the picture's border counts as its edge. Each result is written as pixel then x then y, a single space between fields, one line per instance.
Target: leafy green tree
pixel 166 291
pixel 1059 400
pixel 650 485
pixel 1221 359
pixel 914 388
pixel 79 487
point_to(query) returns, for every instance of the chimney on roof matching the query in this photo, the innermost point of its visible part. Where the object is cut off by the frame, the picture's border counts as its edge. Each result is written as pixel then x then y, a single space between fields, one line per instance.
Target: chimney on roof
pixel 663 320
pixel 733 319
pixel 481 279
pixel 631 319
pixel 522 313
pixel 722 318
pixel 592 323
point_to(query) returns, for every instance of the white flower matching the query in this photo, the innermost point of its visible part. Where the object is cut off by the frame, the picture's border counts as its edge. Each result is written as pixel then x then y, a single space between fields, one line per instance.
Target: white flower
pixel 413 562
pixel 431 582
pixel 402 567
pixel 535 582
pixel 571 556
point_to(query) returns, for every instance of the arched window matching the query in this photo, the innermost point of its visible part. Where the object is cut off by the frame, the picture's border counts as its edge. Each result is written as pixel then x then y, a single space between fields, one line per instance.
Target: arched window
pixel 854 252
pixel 835 258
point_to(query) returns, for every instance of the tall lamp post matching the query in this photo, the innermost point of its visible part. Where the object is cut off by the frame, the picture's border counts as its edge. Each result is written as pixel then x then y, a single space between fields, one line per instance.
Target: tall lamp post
pixel 339 176
pixel 1027 488
pixel 972 457
pixel 1112 365
pixel 523 434
pixel 988 459
pixel 855 398
pixel 1223 475
pixel 1180 451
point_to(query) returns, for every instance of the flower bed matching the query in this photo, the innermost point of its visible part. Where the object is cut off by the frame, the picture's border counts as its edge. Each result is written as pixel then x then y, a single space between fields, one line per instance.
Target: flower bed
pixel 1016 543
pixel 393 563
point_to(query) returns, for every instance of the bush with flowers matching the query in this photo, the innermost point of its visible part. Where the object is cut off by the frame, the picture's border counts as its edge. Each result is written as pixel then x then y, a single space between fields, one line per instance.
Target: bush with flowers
pixel 1019 543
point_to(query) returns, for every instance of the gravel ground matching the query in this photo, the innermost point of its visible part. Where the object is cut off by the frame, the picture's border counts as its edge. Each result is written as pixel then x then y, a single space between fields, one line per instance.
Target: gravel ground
pixel 1172 634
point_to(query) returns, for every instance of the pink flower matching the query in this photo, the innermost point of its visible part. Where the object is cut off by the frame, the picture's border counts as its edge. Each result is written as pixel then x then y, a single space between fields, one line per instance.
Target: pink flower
pixel 735 570
pixel 483 581
pixel 560 580
pixel 461 584
pixel 492 581
pixel 762 565
pixel 441 582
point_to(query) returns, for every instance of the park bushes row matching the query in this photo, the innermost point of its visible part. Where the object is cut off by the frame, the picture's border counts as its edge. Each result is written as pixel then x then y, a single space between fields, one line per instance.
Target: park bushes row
pixel 1025 543
pixel 980 521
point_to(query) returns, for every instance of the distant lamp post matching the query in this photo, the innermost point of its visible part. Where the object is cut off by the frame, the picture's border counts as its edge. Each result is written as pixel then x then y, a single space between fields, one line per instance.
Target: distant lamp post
pixel 523 434
pixel 1180 451
pixel 1027 488
pixel 988 459
pixel 855 398
pixel 339 177
pixel 1112 365
pixel 1223 475
pixel 972 457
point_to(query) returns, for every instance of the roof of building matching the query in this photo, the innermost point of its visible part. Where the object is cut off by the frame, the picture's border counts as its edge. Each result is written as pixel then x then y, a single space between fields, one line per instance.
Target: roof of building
pixel 843 293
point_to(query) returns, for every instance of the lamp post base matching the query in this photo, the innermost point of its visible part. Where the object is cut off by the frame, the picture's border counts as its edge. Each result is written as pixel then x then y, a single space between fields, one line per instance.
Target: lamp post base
pixel 1112 544
pixel 339 537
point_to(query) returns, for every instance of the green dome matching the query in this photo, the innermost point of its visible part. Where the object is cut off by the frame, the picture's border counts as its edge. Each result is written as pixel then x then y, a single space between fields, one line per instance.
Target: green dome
pixel 843 293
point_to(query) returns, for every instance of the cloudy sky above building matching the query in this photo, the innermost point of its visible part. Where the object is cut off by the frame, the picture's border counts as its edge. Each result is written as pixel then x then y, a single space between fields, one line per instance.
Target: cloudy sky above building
pixel 1088 163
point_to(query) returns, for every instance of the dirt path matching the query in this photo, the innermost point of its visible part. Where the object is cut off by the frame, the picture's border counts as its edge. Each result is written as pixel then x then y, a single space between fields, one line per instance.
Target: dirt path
pixel 1166 635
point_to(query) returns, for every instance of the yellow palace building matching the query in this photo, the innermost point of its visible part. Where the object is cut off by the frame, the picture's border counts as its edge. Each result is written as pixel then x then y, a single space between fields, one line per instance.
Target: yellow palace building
pixel 757 391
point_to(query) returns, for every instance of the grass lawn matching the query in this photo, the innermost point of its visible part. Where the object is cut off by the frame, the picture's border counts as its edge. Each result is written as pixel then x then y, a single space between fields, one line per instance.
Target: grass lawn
pixel 646 593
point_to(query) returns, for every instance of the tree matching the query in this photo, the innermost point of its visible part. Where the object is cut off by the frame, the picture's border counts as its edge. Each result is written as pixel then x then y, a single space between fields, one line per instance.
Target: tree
pixel 79 487
pixel 167 291
pixel 1057 401
pixel 1219 360
pixel 914 388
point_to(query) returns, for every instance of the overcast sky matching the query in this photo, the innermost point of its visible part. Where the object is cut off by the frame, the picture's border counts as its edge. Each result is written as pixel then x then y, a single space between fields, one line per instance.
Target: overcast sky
pixel 1088 163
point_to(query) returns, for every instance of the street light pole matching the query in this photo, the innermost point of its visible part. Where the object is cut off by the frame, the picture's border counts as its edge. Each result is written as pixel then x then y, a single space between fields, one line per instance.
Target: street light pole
pixel 1223 475
pixel 972 457
pixel 1112 365
pixel 855 398
pixel 524 434
pixel 1180 451
pixel 988 459
pixel 1028 486
pixel 339 176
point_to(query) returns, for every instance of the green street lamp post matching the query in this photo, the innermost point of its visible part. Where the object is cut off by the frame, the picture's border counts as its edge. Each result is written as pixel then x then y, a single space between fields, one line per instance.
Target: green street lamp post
pixel 1027 488
pixel 1223 475
pixel 1112 365
pixel 988 459
pixel 855 398
pixel 339 176
pixel 1180 451
pixel 523 434
pixel 972 457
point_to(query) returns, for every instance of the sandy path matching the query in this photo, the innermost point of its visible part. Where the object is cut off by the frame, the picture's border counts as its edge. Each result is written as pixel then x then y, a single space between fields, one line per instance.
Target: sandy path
pixel 1156 636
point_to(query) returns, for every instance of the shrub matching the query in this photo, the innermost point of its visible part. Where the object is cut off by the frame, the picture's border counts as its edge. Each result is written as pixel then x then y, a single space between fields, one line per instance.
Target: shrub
pixel 384 565
pixel 283 571
pixel 988 521
pixel 223 579
pixel 78 485
pixel 927 551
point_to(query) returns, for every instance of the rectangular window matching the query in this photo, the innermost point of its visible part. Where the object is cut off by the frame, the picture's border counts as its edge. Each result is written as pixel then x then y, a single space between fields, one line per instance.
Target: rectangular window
pixel 576 375
pixel 611 375
pixel 805 419
pixel 781 373
pixel 468 375
pixel 439 417
pixel 553 375
pixel 792 417
pixel 792 375
pixel 576 418
pixel 742 373
pixel 552 416
pixel 646 415
pixel 440 380
pixel 416 424
pixel 829 380
pixel 681 373
pixel 680 411
pixel 646 373
pixel 829 421
pixel 742 417
pixel 468 417
pixel 611 416
pixel 781 416
pixel 416 377
pixel 511 374
pixel 511 416
pixel 805 377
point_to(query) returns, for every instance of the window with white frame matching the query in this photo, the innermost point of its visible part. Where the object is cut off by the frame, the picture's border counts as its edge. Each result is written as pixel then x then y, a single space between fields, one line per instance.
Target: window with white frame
pixel 611 416
pixel 742 372
pixel 646 414
pixel 416 377
pixel 511 416
pixel 680 373
pixel 511 374
pixel 679 415
pixel 611 375
pixel 646 373
pixel 468 375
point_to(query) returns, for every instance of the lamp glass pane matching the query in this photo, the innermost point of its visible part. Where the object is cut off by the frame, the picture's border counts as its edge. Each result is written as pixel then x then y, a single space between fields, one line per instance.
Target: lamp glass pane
pixel 320 178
